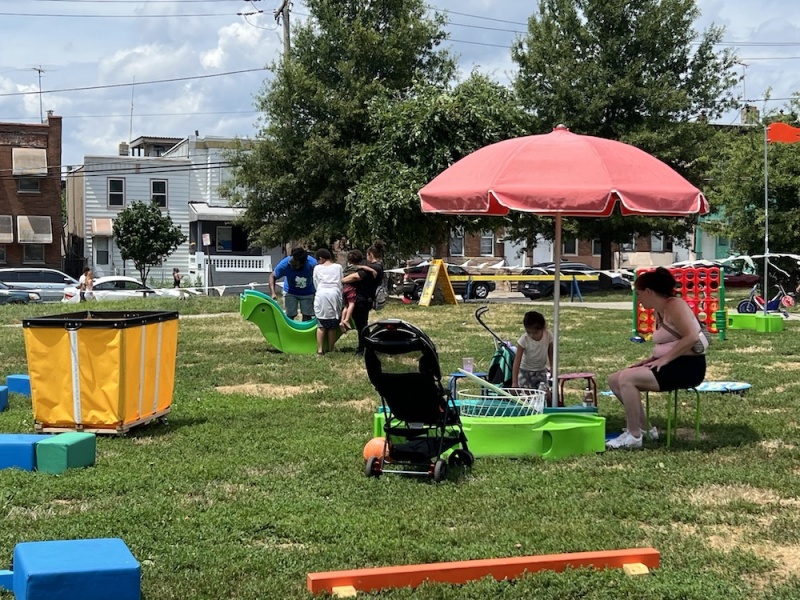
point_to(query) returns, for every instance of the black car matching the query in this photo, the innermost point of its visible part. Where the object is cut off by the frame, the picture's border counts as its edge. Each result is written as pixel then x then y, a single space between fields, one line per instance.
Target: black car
pixel 414 280
pixel 9 296
pixel 542 289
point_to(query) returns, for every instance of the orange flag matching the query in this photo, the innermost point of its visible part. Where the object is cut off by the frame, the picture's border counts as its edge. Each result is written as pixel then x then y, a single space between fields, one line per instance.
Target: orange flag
pixel 781 132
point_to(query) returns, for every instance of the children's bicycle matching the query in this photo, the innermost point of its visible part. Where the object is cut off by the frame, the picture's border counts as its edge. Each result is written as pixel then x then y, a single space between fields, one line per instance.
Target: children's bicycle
pixel 780 302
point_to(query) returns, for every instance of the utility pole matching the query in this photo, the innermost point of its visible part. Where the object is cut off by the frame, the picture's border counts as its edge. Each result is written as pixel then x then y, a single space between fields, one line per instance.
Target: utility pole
pixel 40 70
pixel 282 12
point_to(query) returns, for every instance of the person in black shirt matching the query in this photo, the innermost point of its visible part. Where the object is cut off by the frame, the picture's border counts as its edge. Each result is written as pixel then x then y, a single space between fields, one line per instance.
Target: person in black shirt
pixel 366 285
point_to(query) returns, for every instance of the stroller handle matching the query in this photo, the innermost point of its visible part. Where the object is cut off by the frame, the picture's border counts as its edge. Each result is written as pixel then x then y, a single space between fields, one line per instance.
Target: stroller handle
pixel 478 314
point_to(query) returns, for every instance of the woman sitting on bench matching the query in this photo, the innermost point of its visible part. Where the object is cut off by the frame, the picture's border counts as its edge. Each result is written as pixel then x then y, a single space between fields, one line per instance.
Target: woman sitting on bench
pixel 675 362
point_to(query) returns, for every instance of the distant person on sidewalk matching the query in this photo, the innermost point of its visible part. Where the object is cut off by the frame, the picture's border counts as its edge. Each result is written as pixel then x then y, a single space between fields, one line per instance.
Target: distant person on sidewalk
pixel 298 286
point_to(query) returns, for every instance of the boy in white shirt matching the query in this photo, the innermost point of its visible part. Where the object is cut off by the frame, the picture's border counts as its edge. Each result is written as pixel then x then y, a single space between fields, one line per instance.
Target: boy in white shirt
pixel 534 353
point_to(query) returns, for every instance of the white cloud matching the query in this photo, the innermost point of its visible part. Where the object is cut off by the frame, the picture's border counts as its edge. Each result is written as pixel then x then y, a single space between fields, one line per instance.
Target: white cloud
pixel 83 52
pixel 239 43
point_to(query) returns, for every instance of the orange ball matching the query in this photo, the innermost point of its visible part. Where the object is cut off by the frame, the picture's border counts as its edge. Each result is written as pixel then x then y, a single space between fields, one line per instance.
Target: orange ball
pixel 377 447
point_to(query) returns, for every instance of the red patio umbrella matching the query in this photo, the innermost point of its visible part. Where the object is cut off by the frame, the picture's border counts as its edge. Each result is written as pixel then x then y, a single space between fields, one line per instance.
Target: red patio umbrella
pixel 565 175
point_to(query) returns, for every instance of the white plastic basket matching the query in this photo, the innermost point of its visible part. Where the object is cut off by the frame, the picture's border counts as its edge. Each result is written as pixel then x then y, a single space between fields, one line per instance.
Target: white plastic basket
pixel 482 402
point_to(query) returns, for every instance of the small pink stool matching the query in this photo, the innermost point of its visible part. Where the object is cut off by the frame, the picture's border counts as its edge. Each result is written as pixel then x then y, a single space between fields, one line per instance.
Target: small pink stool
pixel 590 383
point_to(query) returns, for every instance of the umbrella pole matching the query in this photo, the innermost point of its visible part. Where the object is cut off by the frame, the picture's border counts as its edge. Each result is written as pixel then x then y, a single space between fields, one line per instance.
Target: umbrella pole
pixel 765 291
pixel 556 301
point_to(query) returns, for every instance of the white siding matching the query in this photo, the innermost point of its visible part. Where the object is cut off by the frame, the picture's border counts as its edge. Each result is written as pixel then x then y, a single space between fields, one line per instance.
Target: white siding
pixel 138 172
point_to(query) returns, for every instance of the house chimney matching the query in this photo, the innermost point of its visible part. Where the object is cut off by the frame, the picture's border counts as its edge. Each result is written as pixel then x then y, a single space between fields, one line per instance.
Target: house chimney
pixel 123 149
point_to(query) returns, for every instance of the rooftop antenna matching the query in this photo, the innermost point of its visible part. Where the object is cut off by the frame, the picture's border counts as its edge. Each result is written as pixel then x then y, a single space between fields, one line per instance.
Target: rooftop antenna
pixel 40 70
pixel 130 127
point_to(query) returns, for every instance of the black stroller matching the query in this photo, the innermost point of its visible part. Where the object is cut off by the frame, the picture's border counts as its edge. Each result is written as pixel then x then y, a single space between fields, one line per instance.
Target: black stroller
pixel 501 367
pixel 421 418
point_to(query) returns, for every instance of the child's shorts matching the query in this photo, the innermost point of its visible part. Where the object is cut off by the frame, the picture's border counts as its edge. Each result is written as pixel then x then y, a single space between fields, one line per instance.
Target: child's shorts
pixel 349 293
pixel 532 379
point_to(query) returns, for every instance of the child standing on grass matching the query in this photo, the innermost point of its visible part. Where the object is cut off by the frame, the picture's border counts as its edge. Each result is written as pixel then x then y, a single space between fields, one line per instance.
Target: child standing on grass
pixel 534 352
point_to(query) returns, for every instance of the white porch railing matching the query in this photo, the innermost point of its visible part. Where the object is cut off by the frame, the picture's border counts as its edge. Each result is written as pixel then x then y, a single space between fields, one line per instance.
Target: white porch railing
pixel 233 264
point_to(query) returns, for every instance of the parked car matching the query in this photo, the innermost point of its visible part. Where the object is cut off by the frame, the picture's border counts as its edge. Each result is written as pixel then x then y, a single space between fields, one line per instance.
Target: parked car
pixel 542 289
pixel 48 283
pixel 414 280
pixel 9 296
pixel 119 287
pixel 738 279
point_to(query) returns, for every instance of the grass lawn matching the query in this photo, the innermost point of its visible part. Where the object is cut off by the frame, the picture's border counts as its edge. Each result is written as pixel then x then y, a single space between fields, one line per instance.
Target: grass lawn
pixel 258 479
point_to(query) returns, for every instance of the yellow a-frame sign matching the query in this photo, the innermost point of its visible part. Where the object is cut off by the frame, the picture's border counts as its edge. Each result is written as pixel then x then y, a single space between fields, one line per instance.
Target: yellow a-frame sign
pixel 437 275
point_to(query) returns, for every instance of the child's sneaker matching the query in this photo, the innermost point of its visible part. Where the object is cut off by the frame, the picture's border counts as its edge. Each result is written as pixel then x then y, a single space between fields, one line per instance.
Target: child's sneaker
pixel 626 440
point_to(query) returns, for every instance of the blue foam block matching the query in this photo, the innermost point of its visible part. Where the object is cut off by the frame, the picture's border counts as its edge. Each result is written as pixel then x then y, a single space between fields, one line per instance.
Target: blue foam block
pixel 18 450
pixel 19 384
pixel 3 397
pixel 95 569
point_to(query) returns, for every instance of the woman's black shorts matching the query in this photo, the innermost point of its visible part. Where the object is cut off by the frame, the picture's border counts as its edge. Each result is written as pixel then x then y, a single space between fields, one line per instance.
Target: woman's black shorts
pixel 682 373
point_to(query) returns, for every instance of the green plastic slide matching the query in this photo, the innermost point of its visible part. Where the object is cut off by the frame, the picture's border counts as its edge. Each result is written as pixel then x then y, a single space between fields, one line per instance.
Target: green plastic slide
pixel 285 334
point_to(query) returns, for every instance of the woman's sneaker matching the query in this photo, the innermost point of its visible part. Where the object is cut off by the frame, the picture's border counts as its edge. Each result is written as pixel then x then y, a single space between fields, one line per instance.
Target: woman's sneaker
pixel 652 434
pixel 626 440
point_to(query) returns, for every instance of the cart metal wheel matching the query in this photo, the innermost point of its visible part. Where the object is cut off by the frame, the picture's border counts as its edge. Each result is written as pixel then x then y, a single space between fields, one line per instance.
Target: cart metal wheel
pixel 746 307
pixel 439 470
pixel 373 468
pixel 461 458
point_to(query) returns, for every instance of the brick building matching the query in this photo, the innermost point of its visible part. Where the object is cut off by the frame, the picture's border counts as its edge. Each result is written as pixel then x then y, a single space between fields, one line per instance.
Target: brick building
pixel 30 193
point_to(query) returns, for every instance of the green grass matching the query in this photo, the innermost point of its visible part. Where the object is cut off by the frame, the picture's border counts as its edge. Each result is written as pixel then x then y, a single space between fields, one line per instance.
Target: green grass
pixel 257 479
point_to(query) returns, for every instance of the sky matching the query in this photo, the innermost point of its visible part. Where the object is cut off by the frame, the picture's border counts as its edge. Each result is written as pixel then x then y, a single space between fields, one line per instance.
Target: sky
pixel 210 60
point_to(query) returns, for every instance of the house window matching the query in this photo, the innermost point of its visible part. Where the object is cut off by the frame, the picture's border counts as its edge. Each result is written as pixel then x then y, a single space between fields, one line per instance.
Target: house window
pixel 660 243
pixel 630 245
pixel 570 246
pixel 597 248
pixel 2 254
pixel 28 185
pixel 6 229
pixel 116 192
pixel 487 243
pixel 457 242
pixel 158 192
pixel 101 250
pixel 224 239
pixel 33 253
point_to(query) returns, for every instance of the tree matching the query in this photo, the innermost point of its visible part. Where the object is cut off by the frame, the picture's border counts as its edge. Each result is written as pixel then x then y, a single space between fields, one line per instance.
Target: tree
pixel 295 182
pixel 632 71
pixel 737 191
pixel 146 235
pixel 418 136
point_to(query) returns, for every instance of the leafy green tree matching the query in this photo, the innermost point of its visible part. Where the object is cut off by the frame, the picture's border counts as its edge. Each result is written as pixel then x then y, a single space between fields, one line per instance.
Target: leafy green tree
pixel 146 235
pixel 634 71
pixel 737 190
pixel 295 182
pixel 418 136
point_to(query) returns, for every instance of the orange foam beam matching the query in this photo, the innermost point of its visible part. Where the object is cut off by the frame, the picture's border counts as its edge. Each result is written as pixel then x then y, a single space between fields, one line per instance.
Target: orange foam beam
pixel 367 580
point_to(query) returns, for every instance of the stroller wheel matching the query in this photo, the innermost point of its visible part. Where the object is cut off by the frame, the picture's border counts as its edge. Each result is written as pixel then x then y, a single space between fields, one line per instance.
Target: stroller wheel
pixel 461 458
pixel 439 470
pixel 373 468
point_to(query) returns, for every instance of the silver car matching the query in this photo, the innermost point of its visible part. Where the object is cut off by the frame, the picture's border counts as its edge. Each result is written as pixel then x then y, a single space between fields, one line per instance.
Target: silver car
pixel 48 283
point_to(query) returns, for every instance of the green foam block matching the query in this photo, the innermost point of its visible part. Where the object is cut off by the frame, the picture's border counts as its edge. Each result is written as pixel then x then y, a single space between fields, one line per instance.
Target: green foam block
pixel 70 450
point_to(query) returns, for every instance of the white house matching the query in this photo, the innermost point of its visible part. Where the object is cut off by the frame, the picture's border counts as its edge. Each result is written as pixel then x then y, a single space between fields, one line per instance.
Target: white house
pixel 183 177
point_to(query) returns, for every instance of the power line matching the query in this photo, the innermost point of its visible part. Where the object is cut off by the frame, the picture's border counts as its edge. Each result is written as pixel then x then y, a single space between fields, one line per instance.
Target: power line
pixel 119 85
pixel 136 1
pixel 128 170
pixel 116 116
pixel 88 16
